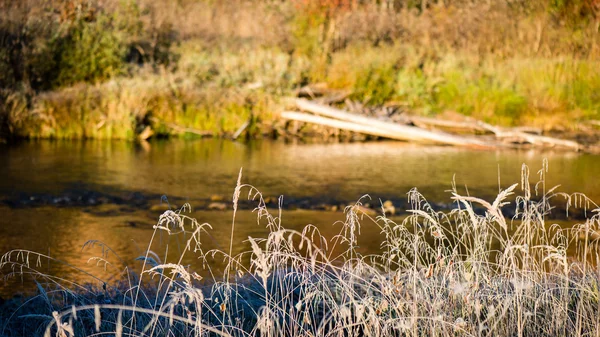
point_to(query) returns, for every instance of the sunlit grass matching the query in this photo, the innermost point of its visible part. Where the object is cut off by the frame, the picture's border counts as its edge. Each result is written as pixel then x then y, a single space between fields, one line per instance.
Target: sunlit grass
pixel 120 109
pixel 468 272
pixel 506 91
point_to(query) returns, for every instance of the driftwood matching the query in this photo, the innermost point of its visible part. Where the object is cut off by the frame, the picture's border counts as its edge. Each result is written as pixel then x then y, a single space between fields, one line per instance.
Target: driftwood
pixel 340 119
pixel 529 129
pixel 474 125
pixel 357 127
pixel 338 124
pixel 520 137
pixel 241 129
pixel 425 121
pixel 379 128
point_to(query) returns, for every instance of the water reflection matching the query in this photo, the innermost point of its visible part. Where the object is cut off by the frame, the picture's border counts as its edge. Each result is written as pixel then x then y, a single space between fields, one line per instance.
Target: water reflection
pixel 195 171
pixel 198 169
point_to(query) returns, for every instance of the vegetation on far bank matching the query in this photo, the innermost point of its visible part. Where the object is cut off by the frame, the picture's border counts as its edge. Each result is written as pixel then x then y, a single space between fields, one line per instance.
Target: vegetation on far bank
pixel 455 273
pixel 91 69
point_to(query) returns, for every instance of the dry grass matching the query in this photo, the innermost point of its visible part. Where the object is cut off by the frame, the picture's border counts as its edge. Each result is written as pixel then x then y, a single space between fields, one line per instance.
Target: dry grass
pixel 122 108
pixel 466 272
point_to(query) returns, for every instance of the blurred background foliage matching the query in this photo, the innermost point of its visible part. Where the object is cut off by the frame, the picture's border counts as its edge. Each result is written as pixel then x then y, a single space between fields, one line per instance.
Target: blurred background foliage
pixel 48 44
pixel 504 61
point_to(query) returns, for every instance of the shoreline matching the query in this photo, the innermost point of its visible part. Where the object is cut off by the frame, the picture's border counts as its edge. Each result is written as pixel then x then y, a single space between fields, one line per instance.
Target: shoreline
pixel 102 111
pixel 585 133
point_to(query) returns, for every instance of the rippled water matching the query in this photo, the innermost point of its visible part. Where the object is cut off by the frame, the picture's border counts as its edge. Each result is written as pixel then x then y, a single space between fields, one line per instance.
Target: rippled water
pixel 54 196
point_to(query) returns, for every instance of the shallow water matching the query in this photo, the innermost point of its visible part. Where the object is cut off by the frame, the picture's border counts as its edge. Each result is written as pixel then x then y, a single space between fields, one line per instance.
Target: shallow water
pixel 54 196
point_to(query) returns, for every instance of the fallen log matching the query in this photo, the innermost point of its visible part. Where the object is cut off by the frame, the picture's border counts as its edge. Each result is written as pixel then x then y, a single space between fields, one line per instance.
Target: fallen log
pixel 359 128
pixel 544 141
pixel 380 128
pixel 515 136
pixel 529 129
pixel 338 124
pixel 425 121
pixel 474 125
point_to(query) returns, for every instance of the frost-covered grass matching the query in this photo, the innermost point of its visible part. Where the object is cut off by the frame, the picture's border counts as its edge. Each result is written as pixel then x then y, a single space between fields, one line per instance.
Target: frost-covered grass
pixel 464 272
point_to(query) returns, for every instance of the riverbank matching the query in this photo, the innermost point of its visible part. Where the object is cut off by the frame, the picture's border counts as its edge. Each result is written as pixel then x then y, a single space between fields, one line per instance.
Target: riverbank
pixel 215 79
pixel 442 273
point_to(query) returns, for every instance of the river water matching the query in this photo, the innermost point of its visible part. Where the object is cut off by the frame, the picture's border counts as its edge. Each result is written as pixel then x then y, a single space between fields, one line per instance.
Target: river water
pixel 56 195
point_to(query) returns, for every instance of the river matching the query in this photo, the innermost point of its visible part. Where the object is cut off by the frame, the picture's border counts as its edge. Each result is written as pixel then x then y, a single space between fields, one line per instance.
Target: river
pixel 56 195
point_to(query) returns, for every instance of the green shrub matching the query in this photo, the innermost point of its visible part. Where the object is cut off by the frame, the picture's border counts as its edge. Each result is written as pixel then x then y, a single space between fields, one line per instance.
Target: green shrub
pixel 377 85
pixel 89 51
pixel 51 45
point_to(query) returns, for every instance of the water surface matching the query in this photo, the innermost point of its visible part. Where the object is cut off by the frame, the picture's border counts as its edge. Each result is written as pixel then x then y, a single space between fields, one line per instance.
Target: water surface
pixel 54 196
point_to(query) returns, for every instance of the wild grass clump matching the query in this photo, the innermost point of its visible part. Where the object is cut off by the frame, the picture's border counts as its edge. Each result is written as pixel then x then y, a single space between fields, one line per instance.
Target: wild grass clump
pixel 465 272
pixel 120 109
pixel 506 91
